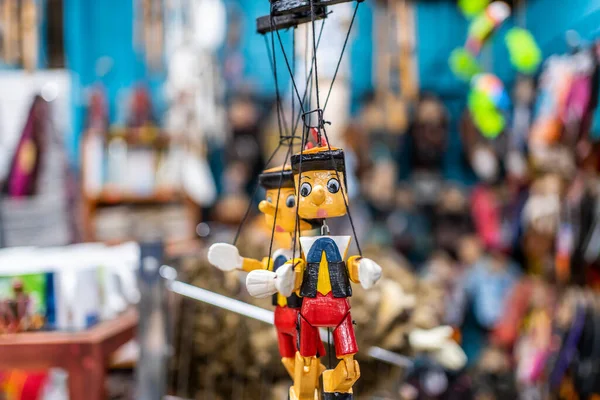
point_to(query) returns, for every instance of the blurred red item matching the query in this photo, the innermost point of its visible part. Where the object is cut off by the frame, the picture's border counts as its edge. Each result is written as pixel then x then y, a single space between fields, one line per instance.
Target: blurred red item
pixel 141 108
pixel 98 111
pixel 319 141
pixel 593 279
pixel 517 304
pixel 486 216
pixel 564 249
pixel 21 385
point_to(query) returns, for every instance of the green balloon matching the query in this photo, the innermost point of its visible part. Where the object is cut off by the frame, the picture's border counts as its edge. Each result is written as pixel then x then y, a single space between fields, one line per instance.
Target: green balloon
pixel 525 55
pixel 463 64
pixel 471 8
pixel 486 118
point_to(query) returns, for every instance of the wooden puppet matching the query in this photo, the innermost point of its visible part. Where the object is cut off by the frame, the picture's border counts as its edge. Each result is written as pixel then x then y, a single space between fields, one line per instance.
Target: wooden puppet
pixel 322 277
pixel 279 208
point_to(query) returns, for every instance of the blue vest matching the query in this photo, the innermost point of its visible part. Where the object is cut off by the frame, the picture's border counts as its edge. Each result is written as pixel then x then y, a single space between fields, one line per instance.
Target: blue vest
pixel 338 273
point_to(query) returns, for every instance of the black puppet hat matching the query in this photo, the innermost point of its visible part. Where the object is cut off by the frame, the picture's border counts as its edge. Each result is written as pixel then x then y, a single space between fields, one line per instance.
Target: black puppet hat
pixel 319 158
pixel 277 177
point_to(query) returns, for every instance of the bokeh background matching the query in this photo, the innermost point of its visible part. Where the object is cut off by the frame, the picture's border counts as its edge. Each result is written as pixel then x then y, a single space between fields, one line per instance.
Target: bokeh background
pixel 136 129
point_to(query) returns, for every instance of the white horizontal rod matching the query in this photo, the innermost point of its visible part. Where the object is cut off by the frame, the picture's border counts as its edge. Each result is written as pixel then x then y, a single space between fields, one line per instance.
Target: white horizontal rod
pixel 260 314
pixel 218 300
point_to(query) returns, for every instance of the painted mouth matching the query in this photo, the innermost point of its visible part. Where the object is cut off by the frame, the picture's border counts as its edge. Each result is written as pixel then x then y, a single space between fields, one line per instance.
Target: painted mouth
pixel 278 228
pixel 321 213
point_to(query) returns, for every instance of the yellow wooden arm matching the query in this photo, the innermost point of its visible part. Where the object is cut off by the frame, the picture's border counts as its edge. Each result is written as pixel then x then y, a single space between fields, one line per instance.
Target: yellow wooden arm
pixel 352 266
pixel 250 264
pixel 299 265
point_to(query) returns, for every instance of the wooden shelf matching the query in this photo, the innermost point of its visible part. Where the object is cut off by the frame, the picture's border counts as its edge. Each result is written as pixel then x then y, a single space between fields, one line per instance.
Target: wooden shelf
pixel 84 355
pixel 114 196
pixel 173 247
pixel 145 137
pixel 111 195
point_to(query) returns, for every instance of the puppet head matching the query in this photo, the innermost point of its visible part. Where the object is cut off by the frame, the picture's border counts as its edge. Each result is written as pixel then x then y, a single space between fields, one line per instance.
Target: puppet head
pixel 320 178
pixel 281 201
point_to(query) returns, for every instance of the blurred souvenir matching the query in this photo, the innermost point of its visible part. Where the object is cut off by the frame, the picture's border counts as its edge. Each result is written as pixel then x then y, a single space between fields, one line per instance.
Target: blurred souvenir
pixel 429 134
pixel 488 103
pixel 484 25
pixel 463 61
pixel 525 54
pixel 23 303
pixel 471 8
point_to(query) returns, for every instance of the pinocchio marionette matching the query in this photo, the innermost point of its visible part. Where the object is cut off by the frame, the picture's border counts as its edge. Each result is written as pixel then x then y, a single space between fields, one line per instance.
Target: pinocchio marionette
pixel 322 277
pixel 279 208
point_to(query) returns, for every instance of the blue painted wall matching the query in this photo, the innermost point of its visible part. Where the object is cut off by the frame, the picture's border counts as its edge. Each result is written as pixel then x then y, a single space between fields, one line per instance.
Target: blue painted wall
pixel 97 29
pixel 103 30
pixel 258 72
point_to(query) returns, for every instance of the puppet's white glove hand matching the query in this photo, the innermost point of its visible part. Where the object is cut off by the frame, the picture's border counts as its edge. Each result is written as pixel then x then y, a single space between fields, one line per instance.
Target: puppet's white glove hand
pixel 225 256
pixel 261 283
pixel 429 339
pixel 369 272
pixel 451 356
pixel 438 341
pixel 285 279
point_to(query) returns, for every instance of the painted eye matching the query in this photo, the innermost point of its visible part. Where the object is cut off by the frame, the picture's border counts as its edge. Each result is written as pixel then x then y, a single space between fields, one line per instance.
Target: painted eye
pixel 290 201
pixel 269 199
pixel 333 185
pixel 305 189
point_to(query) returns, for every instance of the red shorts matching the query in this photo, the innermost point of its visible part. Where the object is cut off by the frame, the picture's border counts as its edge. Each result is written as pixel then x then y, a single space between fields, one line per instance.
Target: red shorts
pixel 327 312
pixel 286 320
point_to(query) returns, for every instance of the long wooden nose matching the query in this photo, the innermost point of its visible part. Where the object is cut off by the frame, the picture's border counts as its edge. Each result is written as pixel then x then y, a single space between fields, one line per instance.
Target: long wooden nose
pixel 266 208
pixel 318 195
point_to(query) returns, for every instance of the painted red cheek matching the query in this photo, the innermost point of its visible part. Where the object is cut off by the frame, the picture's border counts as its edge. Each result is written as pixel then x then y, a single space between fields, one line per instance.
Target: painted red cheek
pixel 278 228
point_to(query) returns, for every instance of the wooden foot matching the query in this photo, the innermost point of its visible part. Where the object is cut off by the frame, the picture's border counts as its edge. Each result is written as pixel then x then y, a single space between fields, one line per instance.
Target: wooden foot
pixel 306 378
pixel 342 378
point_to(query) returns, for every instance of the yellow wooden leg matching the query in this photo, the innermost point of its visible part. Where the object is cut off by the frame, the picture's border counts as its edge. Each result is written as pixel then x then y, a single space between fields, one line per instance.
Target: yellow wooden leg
pixel 342 378
pixel 288 363
pixel 322 368
pixel 306 378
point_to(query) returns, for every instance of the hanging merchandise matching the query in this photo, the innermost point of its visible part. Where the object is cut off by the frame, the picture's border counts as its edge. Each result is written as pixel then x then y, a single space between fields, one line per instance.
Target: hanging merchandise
pixel 29 34
pixel 488 103
pixel 515 159
pixel 429 134
pixel 572 369
pixel 209 36
pixel 552 97
pixel 195 115
pixel 24 169
pixel 322 277
pixel 472 8
pixel 482 27
pixel 94 145
pixel 463 61
pixel 279 209
pixel 581 98
pixel 35 209
pixel 20 22
pixel 10 31
pixel 319 274
pixel 533 348
pixel 565 105
pixel 150 31
pixel 525 55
